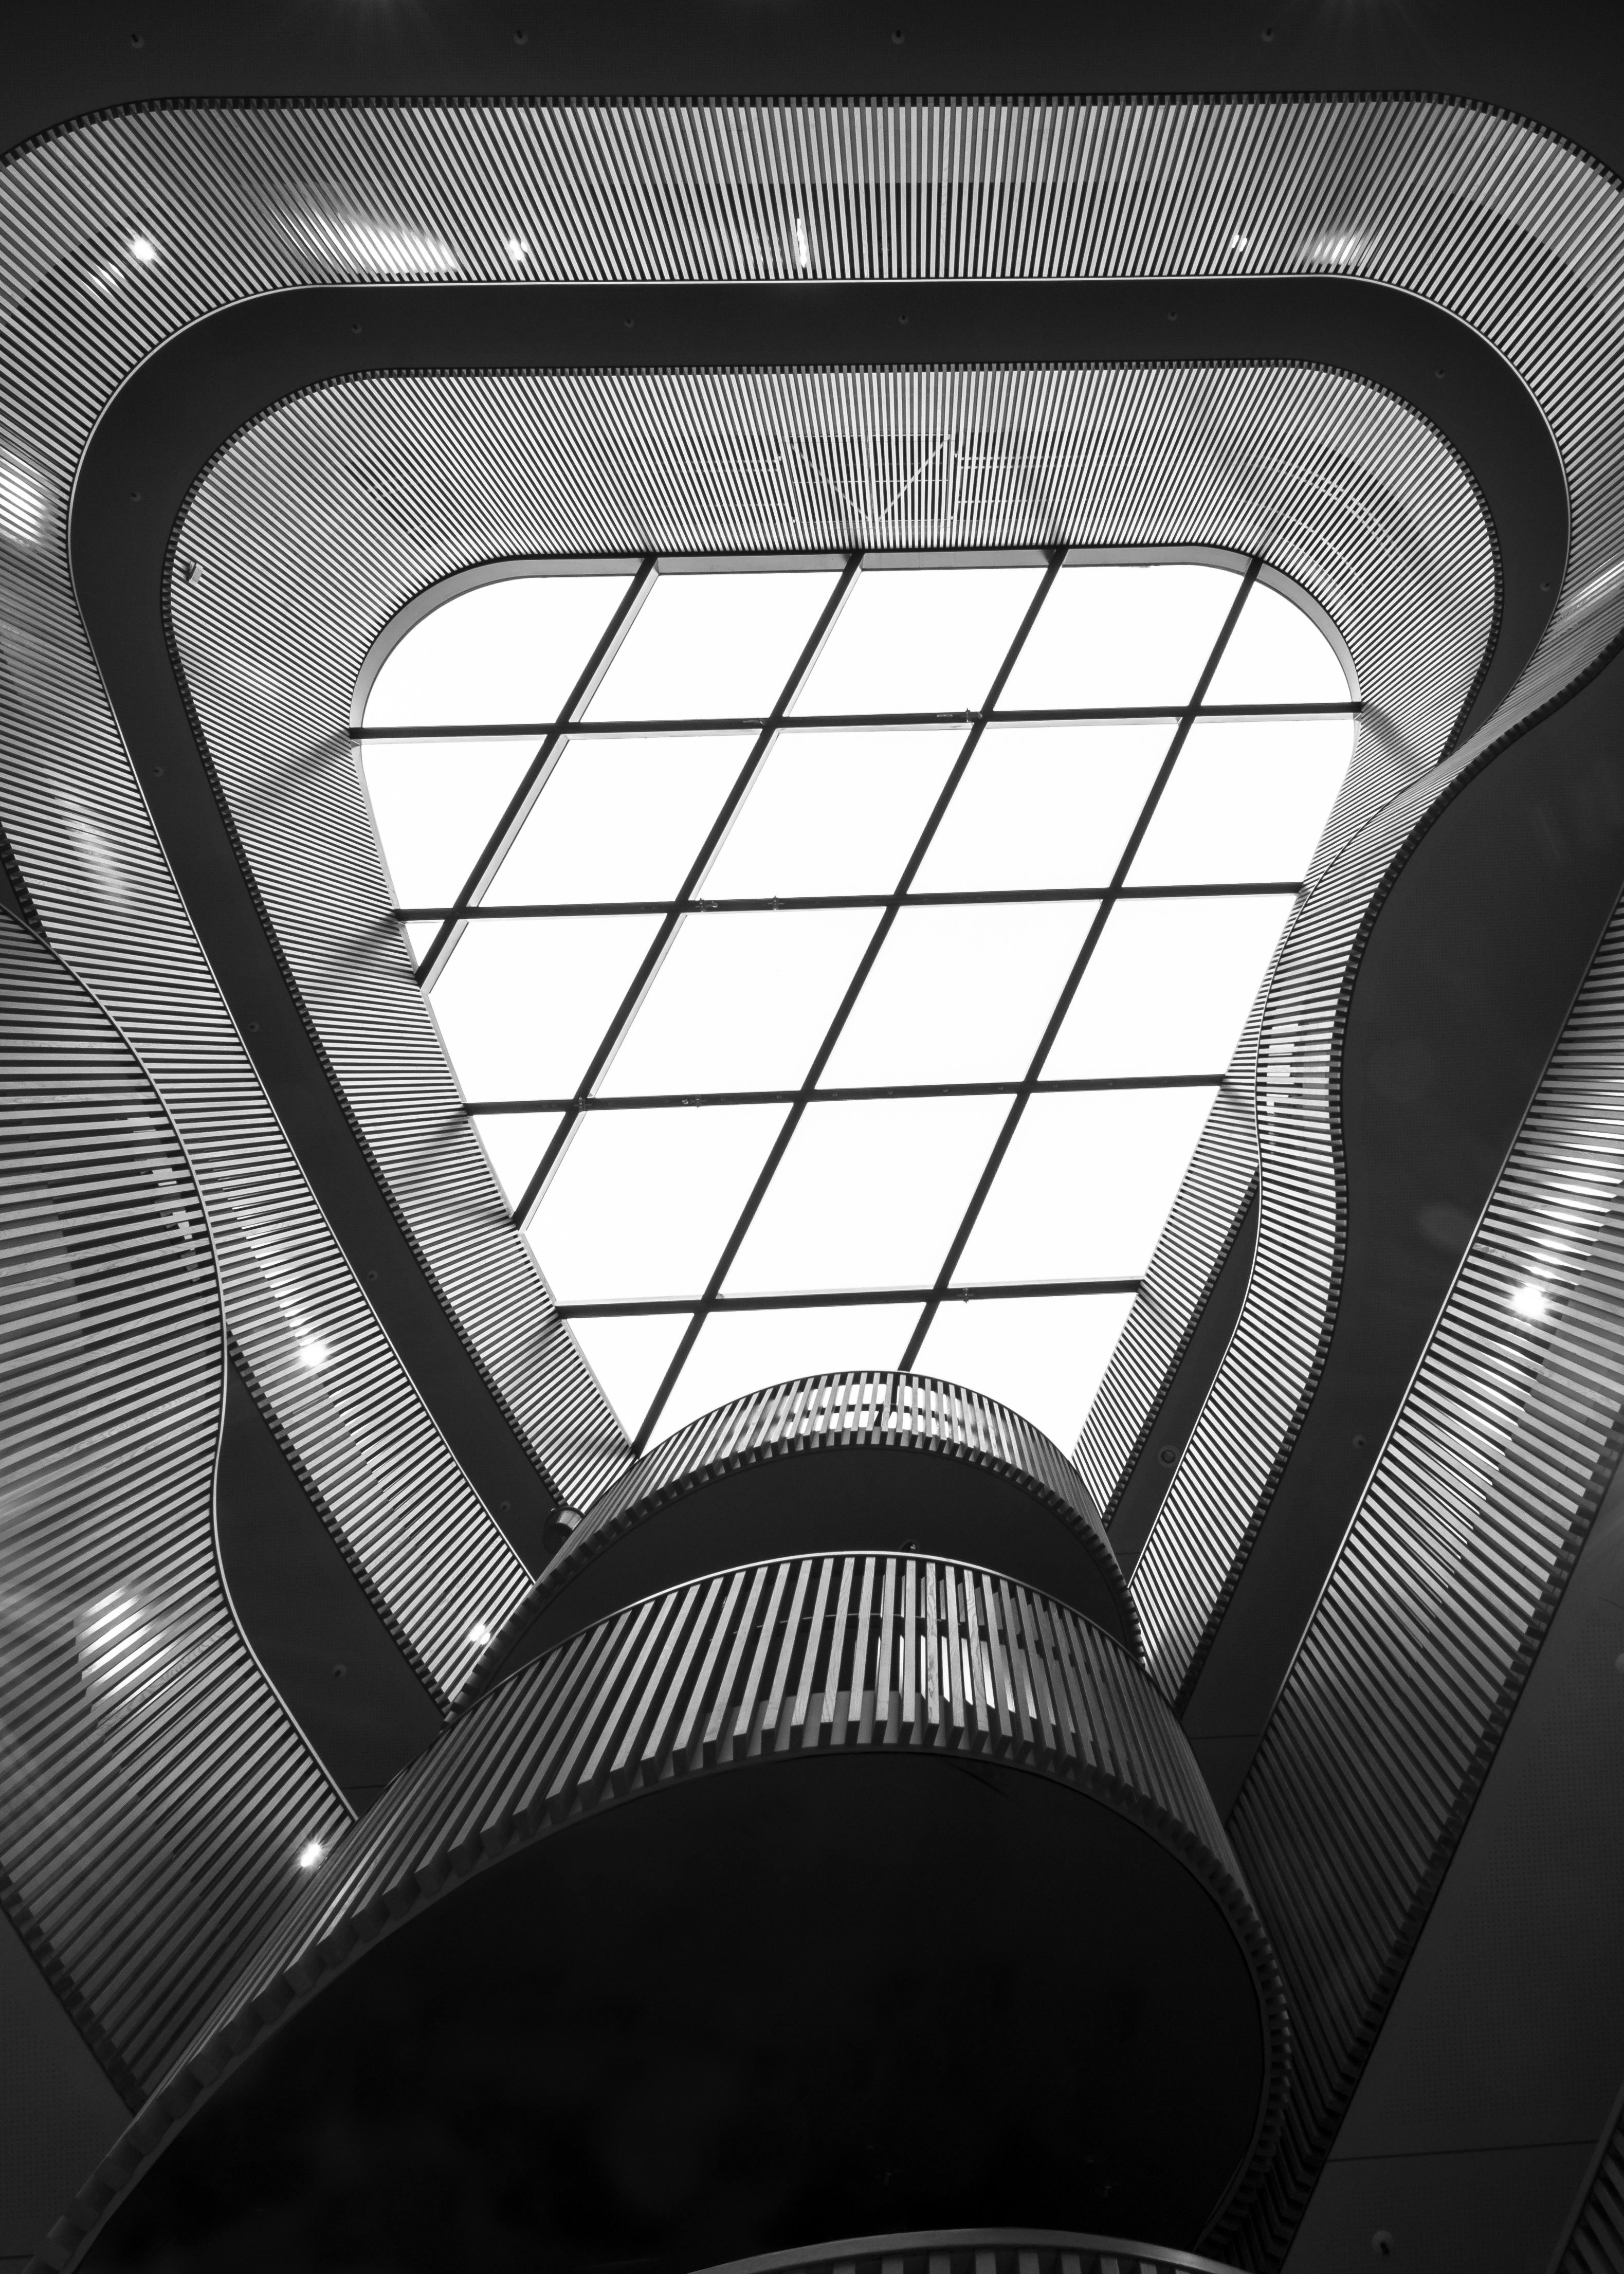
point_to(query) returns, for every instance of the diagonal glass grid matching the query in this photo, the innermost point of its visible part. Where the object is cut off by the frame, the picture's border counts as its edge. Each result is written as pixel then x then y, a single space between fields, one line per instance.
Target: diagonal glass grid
pixel 931 898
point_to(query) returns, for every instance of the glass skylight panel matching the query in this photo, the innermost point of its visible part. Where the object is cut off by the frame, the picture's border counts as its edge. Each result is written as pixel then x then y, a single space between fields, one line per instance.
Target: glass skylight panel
pixel 713 646
pixel 1016 890
pixel 868 1195
pixel 1111 638
pixel 837 810
pixel 960 994
pixel 1045 1355
pixel 740 1002
pixel 1247 803
pixel 436 805
pixel 640 1205
pixel 514 1143
pixel 1277 653
pixel 619 819
pixel 1086 1186
pixel 737 1351
pixel 918 639
pixel 524 1000
pixel 629 1356
pixel 1044 808
pixel 509 652
pixel 1168 986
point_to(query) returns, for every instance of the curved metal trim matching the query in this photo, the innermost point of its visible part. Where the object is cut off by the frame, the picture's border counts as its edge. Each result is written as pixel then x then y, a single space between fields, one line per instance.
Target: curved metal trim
pixel 1051 2254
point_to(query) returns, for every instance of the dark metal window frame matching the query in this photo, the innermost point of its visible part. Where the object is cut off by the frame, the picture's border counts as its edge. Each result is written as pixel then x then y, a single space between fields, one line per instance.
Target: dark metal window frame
pixel 468 907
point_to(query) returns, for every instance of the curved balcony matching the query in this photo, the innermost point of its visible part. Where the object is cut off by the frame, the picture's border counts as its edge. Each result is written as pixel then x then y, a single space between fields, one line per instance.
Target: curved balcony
pixel 979 2250
pixel 834 1892
pixel 881 1462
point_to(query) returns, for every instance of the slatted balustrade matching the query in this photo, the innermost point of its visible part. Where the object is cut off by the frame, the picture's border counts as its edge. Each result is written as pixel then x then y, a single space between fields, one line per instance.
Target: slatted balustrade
pixel 967 2251
pixel 900 1654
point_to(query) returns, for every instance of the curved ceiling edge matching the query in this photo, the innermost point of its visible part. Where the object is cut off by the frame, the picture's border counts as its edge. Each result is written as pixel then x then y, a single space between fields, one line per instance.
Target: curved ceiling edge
pixel 175 413
pixel 124 1664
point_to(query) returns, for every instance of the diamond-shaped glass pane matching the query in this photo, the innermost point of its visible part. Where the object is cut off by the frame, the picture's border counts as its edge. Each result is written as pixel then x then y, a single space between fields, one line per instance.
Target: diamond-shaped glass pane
pixel 1112 637
pixel 629 1356
pixel 836 811
pixel 918 639
pixel 1043 807
pixel 436 805
pixel 737 1351
pixel 514 1143
pixel 713 646
pixel 960 994
pixel 1277 654
pixel 1168 986
pixel 1086 1186
pixel 641 1204
pixel 1247 803
pixel 740 1002
pixel 1045 1355
pixel 523 1002
pixel 506 652
pixel 619 819
pixel 868 1195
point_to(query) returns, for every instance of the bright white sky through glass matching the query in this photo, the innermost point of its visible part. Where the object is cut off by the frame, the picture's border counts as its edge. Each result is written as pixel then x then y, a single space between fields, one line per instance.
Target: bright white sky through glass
pixel 819 1004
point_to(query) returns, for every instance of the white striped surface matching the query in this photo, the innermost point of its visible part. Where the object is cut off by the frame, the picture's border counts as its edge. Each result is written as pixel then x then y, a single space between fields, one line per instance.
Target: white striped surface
pixel 133 1723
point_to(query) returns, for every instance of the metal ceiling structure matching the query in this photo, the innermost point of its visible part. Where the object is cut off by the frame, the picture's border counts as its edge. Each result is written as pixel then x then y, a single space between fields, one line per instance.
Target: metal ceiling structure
pixel 124 230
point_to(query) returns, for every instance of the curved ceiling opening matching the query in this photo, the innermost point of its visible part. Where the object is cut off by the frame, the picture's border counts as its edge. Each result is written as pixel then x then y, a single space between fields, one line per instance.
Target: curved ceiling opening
pixel 840 958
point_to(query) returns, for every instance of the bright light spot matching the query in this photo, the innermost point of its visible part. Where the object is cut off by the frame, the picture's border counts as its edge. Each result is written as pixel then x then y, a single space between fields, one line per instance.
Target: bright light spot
pixel 24 504
pixel 803 251
pixel 109 277
pixel 480 1635
pixel 1240 244
pixel 1338 248
pixel 144 249
pixel 1531 1301
pixel 313 1353
pixel 359 240
pixel 518 248
pixel 310 1854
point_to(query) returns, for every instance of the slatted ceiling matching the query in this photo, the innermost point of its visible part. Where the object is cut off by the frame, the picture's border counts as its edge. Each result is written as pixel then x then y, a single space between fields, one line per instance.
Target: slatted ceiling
pixel 275 519
pixel 836 1653
pixel 1594 2243
pixel 1435 1607
pixel 134 1715
pixel 1529 252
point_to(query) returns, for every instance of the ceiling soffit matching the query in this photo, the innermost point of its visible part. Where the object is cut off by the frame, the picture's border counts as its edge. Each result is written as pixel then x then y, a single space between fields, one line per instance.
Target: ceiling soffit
pixel 337 509
pixel 120 232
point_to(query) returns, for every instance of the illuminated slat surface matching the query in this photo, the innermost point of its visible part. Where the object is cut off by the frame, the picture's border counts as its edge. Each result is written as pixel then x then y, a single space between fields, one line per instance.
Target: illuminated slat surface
pixel 967 2250
pixel 1456 1557
pixel 897 1654
pixel 830 1413
pixel 1525 244
pixel 153 1792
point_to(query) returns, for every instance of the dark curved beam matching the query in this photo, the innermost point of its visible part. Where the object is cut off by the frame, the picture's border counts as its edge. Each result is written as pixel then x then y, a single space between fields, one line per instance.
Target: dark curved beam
pixel 166 423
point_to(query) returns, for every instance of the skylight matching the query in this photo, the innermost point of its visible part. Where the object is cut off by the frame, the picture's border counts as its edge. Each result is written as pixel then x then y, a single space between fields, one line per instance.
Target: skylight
pixel 840 958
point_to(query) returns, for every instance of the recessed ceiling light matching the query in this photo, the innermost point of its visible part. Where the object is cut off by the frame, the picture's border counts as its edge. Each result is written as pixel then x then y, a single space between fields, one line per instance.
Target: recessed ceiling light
pixel 1530 1301
pixel 144 249
pixel 803 251
pixel 310 1854
pixel 313 1353
pixel 518 248
pixel 480 1635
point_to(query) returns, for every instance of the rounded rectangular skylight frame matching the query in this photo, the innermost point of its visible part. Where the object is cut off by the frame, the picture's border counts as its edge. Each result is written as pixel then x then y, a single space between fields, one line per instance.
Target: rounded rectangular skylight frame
pixel 808 1076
